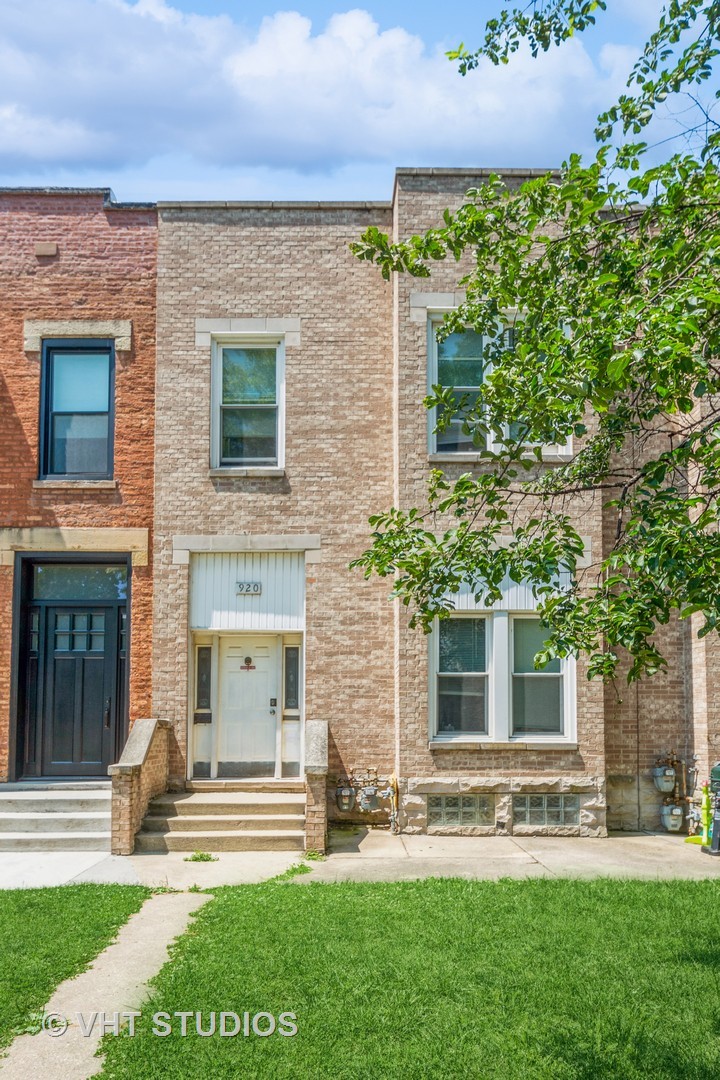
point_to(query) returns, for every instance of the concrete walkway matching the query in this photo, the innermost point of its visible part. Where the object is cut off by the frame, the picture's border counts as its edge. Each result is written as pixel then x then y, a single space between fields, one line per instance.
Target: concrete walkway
pixel 375 855
pixel 115 983
pixel 28 869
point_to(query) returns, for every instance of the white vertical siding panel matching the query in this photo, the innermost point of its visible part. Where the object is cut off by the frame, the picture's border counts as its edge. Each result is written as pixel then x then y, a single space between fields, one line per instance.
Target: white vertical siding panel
pixel 516 597
pixel 214 601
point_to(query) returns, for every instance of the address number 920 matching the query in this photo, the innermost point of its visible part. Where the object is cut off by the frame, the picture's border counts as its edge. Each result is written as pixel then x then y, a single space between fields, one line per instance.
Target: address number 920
pixel 249 588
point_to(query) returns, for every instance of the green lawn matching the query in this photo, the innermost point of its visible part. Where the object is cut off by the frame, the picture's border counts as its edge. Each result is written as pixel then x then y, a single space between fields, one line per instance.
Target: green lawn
pixel 48 935
pixel 555 979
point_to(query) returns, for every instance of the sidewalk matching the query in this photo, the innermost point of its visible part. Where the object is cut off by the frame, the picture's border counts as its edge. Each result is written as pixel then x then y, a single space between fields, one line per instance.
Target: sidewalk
pixel 374 855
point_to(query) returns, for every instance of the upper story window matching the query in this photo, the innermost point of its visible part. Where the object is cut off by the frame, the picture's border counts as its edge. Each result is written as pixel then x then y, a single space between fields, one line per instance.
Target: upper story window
pixel 248 404
pixel 76 431
pixel 456 362
pixel 484 685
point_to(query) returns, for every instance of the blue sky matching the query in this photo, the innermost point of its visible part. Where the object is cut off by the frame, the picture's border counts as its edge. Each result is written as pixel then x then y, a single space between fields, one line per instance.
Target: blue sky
pixel 164 99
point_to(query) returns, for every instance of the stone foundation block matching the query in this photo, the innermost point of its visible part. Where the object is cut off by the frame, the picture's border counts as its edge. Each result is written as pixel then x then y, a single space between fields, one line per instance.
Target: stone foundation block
pixel 479 784
pixel 434 785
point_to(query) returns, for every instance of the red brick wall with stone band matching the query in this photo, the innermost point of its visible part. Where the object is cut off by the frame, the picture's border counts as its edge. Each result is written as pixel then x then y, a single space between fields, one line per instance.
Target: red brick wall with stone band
pixel 105 268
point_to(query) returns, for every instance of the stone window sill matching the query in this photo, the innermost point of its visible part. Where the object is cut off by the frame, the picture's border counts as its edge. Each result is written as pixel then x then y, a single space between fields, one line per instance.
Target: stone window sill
pixel 75 485
pixel 448 458
pixel 549 456
pixel 250 472
pixel 476 744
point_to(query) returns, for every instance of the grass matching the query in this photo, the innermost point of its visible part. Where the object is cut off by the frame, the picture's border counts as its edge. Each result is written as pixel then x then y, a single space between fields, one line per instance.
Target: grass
pixel 539 980
pixel 200 856
pixel 48 935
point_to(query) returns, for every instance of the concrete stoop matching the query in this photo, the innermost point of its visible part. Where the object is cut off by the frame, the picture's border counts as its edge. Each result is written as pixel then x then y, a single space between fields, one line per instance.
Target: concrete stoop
pixel 239 817
pixel 55 817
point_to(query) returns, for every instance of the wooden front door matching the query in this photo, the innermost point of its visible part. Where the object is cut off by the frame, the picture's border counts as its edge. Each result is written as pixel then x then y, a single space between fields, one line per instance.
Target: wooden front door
pixel 73 689
pixel 80 713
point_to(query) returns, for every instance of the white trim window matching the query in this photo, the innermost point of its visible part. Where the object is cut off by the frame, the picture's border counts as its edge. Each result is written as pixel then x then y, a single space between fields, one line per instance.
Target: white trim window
pixel 537 695
pixel 484 686
pixel 462 676
pixel 248 401
pixel 457 363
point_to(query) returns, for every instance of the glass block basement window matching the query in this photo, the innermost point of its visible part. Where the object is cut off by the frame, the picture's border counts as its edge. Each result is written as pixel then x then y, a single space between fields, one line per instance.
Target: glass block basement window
pixel 546 810
pixel 461 810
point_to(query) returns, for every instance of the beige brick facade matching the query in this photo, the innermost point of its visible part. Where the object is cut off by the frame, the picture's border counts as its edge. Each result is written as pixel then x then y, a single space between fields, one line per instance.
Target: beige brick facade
pixel 356 442
pixel 226 266
pixel 356 373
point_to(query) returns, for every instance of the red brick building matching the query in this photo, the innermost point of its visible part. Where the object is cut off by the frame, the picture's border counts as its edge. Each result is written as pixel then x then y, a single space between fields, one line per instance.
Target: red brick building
pixel 77 378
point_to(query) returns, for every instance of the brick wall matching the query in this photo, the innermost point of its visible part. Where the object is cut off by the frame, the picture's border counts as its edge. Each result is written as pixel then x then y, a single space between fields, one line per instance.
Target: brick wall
pixel 357 443
pixel 105 268
pixel 135 781
pixel 420 198
pixel 283 262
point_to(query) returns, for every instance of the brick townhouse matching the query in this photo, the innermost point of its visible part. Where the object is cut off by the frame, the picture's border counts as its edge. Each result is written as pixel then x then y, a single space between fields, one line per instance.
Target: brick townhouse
pixel 77 376
pixel 288 391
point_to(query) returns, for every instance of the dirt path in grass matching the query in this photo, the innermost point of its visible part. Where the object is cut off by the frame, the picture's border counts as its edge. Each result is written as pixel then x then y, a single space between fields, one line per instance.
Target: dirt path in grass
pixel 116 982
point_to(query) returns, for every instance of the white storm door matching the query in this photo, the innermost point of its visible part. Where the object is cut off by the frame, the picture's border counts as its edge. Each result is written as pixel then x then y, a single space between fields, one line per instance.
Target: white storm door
pixel 248 706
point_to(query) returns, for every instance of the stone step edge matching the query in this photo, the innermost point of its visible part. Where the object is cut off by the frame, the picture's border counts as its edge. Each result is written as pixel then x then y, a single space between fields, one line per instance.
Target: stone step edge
pixel 91 794
pixel 224 810
pixel 55 815
pixel 38 836
pixel 217 834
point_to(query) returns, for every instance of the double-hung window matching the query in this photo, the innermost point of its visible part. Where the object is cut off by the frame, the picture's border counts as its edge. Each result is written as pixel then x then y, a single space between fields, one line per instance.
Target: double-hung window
pixel 76 437
pixel 247 382
pixel 462 678
pixel 484 684
pixel 537 694
pixel 455 363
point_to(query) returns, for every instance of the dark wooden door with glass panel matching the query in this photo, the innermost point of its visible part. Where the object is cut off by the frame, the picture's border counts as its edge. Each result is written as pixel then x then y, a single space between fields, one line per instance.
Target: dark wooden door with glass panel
pixel 75 664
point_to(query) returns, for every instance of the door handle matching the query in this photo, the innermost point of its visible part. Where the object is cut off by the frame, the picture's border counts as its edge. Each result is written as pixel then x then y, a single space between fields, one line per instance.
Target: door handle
pixel 106 713
pixel 272 712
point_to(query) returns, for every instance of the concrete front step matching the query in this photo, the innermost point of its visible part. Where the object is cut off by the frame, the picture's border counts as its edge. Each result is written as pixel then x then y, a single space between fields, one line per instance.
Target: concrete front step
pixel 267 785
pixel 54 801
pixel 56 785
pixel 49 816
pixel 234 840
pixel 223 822
pixel 217 802
pixel 45 822
pixel 222 819
pixel 55 841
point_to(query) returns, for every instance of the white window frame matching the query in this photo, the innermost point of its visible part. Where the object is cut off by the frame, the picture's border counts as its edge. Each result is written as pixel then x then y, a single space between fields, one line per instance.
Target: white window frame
pixel 550 451
pixel 435 673
pixel 245 341
pixel 566 673
pixel 499 647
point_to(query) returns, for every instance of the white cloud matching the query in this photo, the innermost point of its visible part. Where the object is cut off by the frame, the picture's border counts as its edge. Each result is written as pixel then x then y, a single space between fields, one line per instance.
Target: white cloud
pixel 111 84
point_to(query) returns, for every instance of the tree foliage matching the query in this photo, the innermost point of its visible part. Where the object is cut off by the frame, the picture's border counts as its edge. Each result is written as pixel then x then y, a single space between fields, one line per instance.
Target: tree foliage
pixel 609 272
